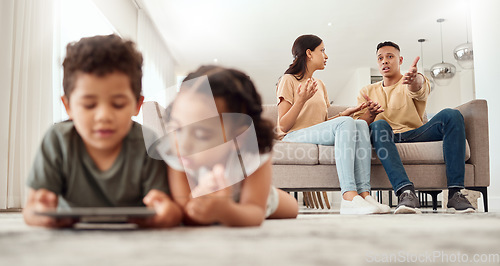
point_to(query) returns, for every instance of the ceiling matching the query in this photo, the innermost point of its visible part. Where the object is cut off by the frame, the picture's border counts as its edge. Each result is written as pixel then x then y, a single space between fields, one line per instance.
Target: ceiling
pixel 256 36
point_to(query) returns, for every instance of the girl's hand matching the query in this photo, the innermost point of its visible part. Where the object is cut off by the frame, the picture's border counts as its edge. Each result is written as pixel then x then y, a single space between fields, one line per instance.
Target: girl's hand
pixel 213 199
pixel 351 110
pixel 308 91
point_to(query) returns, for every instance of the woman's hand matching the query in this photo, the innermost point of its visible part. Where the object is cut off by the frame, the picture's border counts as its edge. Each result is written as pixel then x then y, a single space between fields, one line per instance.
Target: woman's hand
pixel 288 111
pixel 310 88
pixel 351 110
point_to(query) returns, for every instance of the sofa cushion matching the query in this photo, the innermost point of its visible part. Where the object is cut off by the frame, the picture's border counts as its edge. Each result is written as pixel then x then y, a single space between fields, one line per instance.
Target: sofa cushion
pixel 410 153
pixel 295 153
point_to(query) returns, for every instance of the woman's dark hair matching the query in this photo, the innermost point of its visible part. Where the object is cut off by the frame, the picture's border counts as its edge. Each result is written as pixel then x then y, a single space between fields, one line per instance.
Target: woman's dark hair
pixel 299 65
pixel 240 96
pixel 102 55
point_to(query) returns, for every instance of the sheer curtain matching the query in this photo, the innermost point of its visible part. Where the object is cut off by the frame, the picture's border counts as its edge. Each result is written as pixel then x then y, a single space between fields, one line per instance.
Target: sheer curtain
pixel 32 33
pixel 26 90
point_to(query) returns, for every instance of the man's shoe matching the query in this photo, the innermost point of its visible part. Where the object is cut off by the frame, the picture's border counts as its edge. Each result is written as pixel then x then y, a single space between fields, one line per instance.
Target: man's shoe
pixel 459 203
pixel 408 203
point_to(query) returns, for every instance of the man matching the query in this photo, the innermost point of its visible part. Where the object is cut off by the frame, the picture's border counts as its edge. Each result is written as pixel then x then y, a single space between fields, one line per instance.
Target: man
pixel 395 111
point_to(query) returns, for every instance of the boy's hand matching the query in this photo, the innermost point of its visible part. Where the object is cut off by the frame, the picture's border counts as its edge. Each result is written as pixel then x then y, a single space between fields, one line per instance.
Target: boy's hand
pixel 168 213
pixel 45 200
pixel 207 209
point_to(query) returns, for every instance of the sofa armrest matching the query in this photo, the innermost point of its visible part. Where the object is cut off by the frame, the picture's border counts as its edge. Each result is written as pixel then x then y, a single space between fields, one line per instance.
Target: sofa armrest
pixel 475 114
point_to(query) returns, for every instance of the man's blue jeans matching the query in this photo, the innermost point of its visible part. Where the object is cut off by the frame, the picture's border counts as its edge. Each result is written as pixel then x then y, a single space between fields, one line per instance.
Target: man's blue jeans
pixel 447 125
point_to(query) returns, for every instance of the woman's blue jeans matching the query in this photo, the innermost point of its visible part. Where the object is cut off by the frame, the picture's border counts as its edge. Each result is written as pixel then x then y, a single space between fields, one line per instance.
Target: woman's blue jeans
pixel 447 125
pixel 352 149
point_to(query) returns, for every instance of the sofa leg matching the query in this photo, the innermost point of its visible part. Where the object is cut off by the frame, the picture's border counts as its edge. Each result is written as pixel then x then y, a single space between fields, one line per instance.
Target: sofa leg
pixel 484 191
pixel 434 194
pixel 390 199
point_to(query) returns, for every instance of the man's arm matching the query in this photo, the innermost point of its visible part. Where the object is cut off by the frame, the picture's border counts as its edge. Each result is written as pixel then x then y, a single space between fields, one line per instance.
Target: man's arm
pixel 373 109
pixel 414 79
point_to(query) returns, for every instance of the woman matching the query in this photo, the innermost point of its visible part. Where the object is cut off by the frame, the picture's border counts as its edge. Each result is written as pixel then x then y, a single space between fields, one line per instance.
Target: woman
pixel 303 117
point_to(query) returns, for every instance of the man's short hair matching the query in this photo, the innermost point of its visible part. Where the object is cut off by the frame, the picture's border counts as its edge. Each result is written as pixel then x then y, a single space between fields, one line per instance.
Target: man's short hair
pixel 387 43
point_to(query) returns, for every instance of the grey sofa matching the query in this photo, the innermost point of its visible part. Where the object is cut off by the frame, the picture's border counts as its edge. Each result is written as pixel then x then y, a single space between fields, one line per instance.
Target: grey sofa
pixel 309 167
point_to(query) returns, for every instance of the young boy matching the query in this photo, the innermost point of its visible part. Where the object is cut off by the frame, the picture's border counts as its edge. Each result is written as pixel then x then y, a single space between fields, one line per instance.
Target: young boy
pixel 98 157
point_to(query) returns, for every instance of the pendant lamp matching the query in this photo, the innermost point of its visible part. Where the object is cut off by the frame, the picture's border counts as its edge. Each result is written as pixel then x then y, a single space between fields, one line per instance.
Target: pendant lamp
pixel 421 41
pixel 442 73
pixel 463 53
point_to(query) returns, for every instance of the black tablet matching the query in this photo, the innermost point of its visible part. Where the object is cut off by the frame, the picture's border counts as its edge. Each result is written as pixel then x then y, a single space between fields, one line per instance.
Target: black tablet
pixel 100 214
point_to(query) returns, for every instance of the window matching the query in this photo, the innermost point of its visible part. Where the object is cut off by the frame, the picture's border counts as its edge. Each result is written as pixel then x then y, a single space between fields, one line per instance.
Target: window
pixel 77 19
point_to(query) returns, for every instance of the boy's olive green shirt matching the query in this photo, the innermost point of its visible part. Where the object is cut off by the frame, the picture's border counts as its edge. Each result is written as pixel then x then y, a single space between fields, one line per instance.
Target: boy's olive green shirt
pixel 403 110
pixel 63 166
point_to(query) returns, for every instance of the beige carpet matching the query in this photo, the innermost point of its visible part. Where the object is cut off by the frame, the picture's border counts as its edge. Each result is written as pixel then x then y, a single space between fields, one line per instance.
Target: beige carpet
pixel 312 239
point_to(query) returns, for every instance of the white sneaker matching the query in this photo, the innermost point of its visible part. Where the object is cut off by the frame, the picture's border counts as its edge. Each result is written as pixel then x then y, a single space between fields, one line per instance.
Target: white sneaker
pixel 357 206
pixel 382 208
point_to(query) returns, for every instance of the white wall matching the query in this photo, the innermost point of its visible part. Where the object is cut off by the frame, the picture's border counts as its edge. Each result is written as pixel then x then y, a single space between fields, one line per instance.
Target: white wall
pixel 486 41
pixel 122 14
pixel 459 91
pixel 468 87
pixel 263 81
pixel 349 93
pixel 132 23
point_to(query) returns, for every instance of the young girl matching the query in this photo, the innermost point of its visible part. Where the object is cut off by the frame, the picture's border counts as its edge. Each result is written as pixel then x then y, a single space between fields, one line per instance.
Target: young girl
pixel 223 149
pixel 303 117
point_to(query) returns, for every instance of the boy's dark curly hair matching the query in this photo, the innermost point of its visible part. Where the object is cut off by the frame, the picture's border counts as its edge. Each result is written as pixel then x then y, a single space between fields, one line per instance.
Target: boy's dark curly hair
pixel 102 55
pixel 240 95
